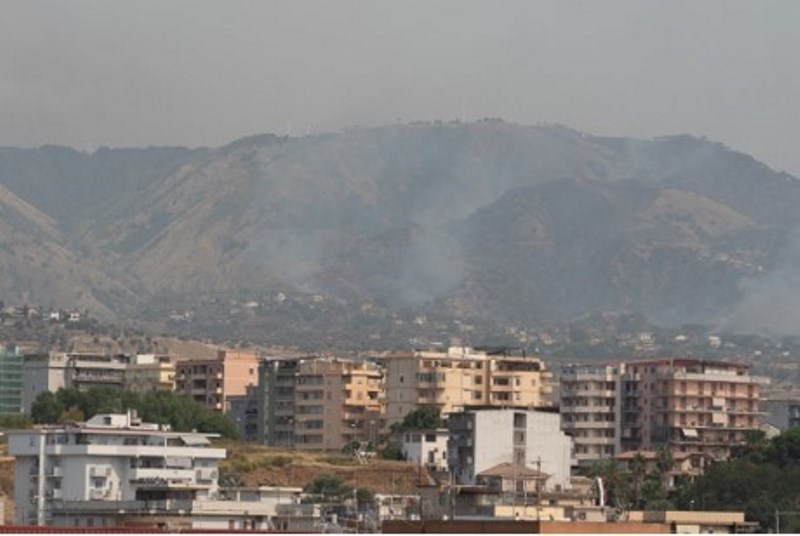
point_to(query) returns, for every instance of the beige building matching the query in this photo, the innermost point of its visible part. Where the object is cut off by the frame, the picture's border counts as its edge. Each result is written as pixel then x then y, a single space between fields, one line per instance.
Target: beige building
pixel 461 377
pixel 150 372
pixel 212 381
pixel 691 405
pixel 590 410
pixel 336 402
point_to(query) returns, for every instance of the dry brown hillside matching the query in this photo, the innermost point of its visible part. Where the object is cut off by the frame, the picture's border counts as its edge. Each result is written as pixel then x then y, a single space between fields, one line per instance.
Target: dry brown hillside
pixel 258 465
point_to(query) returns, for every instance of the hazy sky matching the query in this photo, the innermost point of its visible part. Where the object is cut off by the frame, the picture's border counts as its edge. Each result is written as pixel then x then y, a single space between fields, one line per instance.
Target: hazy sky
pixel 195 72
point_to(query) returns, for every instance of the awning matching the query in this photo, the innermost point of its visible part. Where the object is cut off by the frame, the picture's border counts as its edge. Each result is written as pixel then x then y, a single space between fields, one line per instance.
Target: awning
pixel 194 440
pixel 689 432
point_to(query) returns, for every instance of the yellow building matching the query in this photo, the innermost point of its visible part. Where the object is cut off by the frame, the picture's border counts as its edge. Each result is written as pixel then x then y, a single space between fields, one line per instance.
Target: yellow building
pixel 460 377
pixel 336 402
pixel 150 372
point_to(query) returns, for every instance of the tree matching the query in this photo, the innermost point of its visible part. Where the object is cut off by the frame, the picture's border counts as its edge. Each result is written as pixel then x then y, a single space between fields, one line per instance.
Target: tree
pixel 47 408
pixel 327 486
pixel 422 418
pixel 161 407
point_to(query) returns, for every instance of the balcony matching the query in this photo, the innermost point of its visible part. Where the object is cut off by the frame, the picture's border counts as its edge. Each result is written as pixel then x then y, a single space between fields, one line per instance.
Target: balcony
pixel 587 409
pixel 589 425
pixel 160 473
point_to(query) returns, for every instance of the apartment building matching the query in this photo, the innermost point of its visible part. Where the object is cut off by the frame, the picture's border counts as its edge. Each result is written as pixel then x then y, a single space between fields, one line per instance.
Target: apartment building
pixel 150 372
pixel 85 370
pixel 484 439
pixel 244 413
pixel 112 466
pixel 783 410
pixel 458 377
pixel 211 381
pixel 691 405
pixel 11 385
pixel 80 370
pixel 590 410
pixel 276 383
pixel 337 401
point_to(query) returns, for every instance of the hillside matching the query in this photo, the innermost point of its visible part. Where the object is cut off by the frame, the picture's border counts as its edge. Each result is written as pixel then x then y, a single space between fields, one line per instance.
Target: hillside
pixel 483 222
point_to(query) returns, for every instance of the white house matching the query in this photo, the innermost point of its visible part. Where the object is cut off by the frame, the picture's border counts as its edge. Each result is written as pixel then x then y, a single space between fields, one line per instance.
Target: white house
pixel 427 447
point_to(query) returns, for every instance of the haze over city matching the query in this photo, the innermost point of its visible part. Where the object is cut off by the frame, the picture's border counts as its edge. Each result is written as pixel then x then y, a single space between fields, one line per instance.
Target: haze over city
pixel 200 73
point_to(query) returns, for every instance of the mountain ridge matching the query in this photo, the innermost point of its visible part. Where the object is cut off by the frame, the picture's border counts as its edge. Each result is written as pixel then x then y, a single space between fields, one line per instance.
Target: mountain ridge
pixel 511 222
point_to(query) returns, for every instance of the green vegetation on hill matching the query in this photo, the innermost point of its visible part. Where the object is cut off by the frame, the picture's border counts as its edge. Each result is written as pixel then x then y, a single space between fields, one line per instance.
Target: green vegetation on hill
pixel 163 407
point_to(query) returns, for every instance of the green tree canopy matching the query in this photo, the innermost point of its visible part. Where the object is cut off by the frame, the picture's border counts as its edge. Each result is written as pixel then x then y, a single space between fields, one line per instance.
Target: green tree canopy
pixel 422 418
pixel 162 407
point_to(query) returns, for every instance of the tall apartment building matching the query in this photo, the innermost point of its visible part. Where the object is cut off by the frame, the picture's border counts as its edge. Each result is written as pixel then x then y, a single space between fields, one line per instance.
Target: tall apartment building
pixel 276 383
pixel 690 405
pixel 461 377
pixel 150 372
pixel 113 466
pixel 337 401
pixel 590 410
pixel 11 384
pixel 211 381
pixel 526 439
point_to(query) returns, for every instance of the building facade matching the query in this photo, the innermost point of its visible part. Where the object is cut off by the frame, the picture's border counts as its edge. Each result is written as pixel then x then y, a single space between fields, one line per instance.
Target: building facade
pixel 85 370
pixel 84 474
pixel 336 402
pixel 690 405
pixel 244 413
pixel 212 381
pixel 427 448
pixel 590 410
pixel 461 377
pixel 783 411
pixel 276 386
pixel 80 370
pixel 11 380
pixel 484 439
pixel 150 372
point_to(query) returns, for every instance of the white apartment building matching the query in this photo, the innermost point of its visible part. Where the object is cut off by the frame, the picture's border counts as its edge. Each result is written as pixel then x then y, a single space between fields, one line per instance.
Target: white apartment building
pixel 91 474
pixel 483 439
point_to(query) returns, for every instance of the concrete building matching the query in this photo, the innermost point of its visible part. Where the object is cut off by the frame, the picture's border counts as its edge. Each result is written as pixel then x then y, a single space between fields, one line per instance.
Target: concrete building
pixel 690 405
pixel 337 401
pixel 783 410
pixel 87 474
pixel 427 448
pixel 11 380
pixel 461 377
pixel 590 410
pixel 276 386
pixel 85 370
pixel 150 372
pixel 484 439
pixel 211 381
pixel 244 413
pixel 42 372
pixel 80 370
